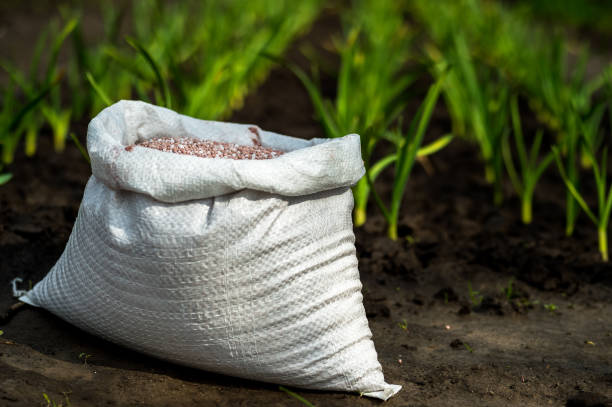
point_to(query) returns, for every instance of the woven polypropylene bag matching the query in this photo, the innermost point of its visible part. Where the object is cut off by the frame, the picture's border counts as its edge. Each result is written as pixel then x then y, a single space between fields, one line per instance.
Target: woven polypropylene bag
pixel 242 267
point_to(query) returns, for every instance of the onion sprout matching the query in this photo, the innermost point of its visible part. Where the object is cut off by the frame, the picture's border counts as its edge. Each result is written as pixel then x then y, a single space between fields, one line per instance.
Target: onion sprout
pixel 530 169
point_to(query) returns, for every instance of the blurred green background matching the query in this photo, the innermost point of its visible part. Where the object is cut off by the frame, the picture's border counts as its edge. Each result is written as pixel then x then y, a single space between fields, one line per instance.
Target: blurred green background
pixel 528 83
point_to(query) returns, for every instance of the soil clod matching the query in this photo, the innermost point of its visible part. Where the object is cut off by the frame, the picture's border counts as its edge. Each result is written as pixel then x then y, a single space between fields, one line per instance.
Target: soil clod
pixel 457 344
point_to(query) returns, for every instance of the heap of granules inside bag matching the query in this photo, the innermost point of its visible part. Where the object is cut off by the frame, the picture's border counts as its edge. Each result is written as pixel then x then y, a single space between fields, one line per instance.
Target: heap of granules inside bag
pixel 208 148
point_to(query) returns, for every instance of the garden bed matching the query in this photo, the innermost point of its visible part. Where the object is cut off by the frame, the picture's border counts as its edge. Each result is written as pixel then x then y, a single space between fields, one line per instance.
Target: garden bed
pixel 550 344
pixel 473 308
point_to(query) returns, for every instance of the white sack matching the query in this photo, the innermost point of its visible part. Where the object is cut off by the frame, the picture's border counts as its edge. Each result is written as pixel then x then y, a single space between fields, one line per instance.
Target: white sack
pixel 245 268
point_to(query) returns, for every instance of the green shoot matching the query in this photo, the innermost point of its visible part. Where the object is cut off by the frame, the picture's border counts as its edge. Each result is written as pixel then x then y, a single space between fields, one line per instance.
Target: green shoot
pixel 5 177
pixel 372 84
pixel 84 357
pixel 604 195
pixel 403 324
pixel 296 396
pixel 56 115
pixel 468 347
pixel 31 134
pixel 550 308
pixel 203 56
pixel 477 101
pixel 504 40
pixel 56 47
pixel 590 129
pixel 82 149
pixel 11 122
pixel 59 120
pixel 569 144
pixel 320 105
pixel 474 296
pixel 509 290
pixel 406 157
pixel 52 403
pixel 99 91
pixel 362 189
pixel 163 85
pixel 530 169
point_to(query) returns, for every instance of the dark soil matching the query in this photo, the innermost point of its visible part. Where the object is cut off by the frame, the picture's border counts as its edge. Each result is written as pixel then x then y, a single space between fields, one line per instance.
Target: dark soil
pixel 547 342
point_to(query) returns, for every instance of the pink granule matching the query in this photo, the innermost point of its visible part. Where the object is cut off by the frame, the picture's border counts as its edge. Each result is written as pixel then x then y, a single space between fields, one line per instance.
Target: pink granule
pixel 208 148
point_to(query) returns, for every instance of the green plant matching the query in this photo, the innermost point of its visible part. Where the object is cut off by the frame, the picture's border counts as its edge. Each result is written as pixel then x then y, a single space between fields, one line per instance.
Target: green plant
pixel 474 296
pixel 52 403
pixel 604 195
pixel 404 158
pixel 57 117
pixel 296 396
pixel 161 80
pixel 371 95
pixel 84 357
pixel 403 324
pixel 97 89
pixel 12 117
pixel 591 14
pixel 526 55
pixel 201 57
pixel 476 98
pixel 59 121
pixel 82 149
pixel 371 86
pixel 509 289
pixel 530 169
pixel 95 61
pixel 550 307
pixel 204 56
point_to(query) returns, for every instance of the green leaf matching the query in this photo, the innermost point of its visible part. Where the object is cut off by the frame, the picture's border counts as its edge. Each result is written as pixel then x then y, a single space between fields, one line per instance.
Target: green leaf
pixel 381 164
pixel 377 199
pixel 435 146
pixel 546 161
pixel 126 63
pixel 31 104
pixel 6 177
pixel 296 396
pixel 39 48
pixel 160 79
pixel 99 91
pixel 57 45
pixel 512 173
pixel 16 77
pixel 535 148
pixel 408 152
pixel 572 188
pixel 606 211
pixel 518 134
pixel 80 147
pixel 329 125
pixel 344 76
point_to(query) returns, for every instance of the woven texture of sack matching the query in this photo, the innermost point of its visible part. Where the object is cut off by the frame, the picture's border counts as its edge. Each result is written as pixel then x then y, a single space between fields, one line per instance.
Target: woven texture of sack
pixel 224 273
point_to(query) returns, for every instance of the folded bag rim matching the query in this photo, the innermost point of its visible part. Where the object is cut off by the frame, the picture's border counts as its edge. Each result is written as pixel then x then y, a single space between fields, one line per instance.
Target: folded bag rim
pixel 306 167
